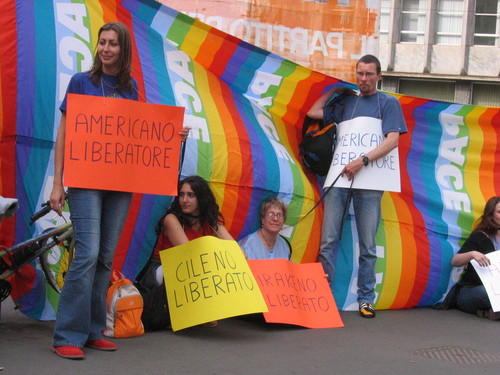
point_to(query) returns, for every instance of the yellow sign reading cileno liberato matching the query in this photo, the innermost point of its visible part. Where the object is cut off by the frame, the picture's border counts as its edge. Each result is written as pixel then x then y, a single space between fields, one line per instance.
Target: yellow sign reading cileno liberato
pixel 208 279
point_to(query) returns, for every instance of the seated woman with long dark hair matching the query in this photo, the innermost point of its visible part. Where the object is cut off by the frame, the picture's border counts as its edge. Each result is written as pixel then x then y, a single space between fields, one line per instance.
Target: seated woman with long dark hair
pixel 193 213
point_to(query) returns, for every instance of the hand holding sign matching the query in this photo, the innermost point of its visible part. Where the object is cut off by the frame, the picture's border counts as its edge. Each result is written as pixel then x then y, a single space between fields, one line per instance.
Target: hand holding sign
pixel 355 138
pixel 490 277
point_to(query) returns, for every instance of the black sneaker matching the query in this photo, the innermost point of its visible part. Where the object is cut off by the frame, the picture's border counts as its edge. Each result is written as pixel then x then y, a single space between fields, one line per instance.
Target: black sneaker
pixel 366 310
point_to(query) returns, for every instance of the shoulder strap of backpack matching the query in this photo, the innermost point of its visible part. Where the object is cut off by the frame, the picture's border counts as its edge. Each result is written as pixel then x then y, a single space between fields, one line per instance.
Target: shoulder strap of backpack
pixel 324 195
pixel 336 100
pixel 115 276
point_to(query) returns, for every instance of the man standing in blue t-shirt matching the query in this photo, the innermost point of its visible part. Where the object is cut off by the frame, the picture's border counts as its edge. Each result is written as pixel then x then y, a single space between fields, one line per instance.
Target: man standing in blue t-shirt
pixel 386 109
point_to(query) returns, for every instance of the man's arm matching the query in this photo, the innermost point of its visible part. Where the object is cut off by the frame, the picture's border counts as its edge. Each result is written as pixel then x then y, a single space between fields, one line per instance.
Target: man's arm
pixel 388 144
pixel 316 111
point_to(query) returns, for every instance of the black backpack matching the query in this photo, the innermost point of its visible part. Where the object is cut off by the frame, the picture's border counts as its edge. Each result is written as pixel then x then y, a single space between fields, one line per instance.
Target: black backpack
pixel 319 140
pixel 155 314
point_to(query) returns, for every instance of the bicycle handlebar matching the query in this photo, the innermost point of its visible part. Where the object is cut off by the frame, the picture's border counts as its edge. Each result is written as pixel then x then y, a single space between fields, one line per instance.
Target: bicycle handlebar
pixel 44 211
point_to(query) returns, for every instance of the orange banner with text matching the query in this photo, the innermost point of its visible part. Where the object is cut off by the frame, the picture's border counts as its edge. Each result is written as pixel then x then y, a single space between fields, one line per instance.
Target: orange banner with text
pixel 122 145
pixel 296 293
pixel 327 36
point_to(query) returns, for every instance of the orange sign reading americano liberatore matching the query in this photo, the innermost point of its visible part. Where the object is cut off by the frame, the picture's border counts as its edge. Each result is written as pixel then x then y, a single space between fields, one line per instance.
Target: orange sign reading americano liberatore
pixel 122 145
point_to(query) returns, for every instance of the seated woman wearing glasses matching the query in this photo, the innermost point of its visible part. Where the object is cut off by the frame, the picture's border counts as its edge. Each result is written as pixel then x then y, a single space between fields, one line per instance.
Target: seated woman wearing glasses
pixel 266 243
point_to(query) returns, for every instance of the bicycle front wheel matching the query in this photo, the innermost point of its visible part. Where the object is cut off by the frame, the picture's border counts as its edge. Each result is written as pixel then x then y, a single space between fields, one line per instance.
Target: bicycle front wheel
pixel 55 262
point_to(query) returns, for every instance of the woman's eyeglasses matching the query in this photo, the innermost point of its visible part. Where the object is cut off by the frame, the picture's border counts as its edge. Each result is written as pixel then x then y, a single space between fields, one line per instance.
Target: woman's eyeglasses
pixel 271 215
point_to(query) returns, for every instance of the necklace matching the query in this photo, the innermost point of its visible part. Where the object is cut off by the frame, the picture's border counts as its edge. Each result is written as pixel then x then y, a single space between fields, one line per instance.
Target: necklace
pixel 103 82
pixel 268 244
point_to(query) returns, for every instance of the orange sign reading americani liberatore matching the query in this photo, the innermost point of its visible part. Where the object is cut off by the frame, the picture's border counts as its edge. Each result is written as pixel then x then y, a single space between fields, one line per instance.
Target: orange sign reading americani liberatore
pixel 122 145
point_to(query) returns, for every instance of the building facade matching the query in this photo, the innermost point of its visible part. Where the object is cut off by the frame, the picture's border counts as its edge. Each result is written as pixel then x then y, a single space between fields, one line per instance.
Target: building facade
pixel 445 50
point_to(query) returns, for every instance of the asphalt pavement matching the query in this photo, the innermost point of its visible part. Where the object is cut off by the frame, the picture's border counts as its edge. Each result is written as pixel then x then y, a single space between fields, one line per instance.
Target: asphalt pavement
pixel 415 341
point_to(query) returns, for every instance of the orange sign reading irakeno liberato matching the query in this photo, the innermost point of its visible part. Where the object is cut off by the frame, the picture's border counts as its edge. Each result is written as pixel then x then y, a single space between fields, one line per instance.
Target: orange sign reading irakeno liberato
pixel 122 145
pixel 296 293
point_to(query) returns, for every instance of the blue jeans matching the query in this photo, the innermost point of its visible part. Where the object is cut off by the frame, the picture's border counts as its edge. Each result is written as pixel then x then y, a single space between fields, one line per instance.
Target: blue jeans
pixel 367 213
pixel 98 217
pixel 473 298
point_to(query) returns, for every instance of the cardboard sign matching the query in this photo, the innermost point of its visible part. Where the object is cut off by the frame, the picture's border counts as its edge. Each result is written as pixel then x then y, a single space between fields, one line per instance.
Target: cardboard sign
pixel 296 293
pixel 490 277
pixel 355 138
pixel 122 145
pixel 208 279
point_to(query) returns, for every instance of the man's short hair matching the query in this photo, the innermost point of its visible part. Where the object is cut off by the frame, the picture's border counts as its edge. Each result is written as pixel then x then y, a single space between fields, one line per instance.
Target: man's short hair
pixel 370 59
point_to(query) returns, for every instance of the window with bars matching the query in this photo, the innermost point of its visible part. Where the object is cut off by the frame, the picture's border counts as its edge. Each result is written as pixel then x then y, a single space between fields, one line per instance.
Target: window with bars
pixel 487 95
pixel 487 23
pixel 413 20
pixel 428 89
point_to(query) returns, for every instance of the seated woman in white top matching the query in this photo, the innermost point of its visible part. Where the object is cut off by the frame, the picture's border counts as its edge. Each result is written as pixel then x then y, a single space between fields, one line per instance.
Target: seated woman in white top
pixel 266 243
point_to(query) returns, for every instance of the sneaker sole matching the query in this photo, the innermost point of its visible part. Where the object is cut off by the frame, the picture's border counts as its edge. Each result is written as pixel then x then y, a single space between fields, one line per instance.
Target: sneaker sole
pixel 54 350
pixel 367 316
pixel 100 348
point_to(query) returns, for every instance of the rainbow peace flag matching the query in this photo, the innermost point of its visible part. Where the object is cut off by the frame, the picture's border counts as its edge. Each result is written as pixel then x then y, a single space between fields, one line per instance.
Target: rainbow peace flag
pixel 246 108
